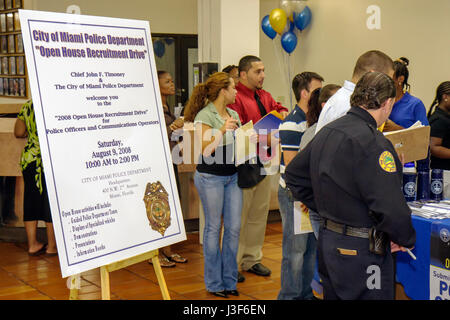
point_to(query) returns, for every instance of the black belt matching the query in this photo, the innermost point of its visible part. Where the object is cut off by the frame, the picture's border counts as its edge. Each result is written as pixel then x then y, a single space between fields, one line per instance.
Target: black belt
pixel 346 230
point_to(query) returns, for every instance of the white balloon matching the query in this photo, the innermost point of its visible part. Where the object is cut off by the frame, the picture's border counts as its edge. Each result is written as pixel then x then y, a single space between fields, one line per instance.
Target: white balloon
pixel 291 6
pixel 73 8
pixel 286 5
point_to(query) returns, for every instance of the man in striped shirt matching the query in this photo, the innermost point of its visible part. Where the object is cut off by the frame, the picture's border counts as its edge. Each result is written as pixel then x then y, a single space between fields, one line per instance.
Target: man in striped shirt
pixel 299 251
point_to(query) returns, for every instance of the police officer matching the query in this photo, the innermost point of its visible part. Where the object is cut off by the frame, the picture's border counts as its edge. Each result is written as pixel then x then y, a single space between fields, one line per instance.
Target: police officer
pixel 351 175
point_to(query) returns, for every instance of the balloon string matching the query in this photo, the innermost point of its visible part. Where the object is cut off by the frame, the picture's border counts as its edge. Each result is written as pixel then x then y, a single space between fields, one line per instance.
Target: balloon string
pixel 281 63
pixel 289 77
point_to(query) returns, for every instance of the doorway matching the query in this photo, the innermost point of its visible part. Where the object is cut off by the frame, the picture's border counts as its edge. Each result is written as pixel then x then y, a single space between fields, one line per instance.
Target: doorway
pixel 176 54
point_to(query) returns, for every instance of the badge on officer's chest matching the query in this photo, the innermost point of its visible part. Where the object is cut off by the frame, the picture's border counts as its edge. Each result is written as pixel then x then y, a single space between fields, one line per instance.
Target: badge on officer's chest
pixel 156 201
pixel 387 162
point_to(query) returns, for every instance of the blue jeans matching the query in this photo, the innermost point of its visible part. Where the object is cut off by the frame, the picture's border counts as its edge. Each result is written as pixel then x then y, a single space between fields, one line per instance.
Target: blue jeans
pixel 316 221
pixel 299 254
pixel 221 197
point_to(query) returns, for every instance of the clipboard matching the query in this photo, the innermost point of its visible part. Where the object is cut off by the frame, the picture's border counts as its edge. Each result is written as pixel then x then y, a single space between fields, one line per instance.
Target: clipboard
pixel 270 121
pixel 413 142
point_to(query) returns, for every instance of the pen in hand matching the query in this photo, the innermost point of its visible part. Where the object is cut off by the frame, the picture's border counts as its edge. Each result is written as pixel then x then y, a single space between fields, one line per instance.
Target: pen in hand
pixel 411 254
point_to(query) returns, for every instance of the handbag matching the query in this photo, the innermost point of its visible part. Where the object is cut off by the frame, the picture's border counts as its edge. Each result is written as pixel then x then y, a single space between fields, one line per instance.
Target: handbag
pixel 249 175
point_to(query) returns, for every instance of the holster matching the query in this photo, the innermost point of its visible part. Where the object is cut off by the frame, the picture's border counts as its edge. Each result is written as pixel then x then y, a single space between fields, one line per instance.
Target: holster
pixel 378 241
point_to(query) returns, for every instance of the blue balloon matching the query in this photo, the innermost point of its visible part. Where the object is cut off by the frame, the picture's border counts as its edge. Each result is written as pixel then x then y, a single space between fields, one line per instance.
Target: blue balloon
pixel 169 41
pixel 267 28
pixel 159 48
pixel 303 19
pixel 291 26
pixel 289 41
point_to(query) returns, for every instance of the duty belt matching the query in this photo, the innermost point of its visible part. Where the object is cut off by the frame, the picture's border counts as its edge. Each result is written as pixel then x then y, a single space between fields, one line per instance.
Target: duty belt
pixel 346 230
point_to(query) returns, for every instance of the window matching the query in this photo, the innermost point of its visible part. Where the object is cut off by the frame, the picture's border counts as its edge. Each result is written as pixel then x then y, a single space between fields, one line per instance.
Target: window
pixel 13 74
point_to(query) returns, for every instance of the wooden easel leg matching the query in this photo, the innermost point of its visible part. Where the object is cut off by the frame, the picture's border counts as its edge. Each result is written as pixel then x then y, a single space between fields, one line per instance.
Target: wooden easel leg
pixel 104 276
pixel 160 277
pixel 74 286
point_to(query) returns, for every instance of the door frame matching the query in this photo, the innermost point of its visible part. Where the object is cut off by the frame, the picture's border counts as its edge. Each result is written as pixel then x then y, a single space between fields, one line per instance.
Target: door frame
pixel 182 43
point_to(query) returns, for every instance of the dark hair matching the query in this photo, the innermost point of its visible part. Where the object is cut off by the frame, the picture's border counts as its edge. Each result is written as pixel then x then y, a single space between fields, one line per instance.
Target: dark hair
pixel 246 63
pixel 230 67
pixel 372 90
pixel 401 69
pixel 373 60
pixel 443 88
pixel 161 72
pixel 319 96
pixel 302 81
pixel 206 91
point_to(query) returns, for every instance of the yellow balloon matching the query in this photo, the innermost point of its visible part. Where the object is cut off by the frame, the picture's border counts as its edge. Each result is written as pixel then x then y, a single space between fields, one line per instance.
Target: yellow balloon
pixel 278 19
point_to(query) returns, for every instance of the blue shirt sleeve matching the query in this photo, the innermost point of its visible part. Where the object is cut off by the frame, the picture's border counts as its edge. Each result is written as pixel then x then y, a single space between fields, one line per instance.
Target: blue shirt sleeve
pixel 420 113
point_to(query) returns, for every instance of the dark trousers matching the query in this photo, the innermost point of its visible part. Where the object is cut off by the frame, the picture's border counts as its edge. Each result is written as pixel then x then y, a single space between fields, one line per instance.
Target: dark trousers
pixel 350 272
pixel 7 190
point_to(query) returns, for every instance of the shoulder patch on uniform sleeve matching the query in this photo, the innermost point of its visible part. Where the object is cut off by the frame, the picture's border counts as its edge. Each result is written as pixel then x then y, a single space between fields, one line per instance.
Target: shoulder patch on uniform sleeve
pixel 387 162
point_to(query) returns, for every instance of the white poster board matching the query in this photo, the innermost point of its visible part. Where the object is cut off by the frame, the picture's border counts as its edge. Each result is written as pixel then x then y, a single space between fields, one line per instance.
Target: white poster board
pixel 103 137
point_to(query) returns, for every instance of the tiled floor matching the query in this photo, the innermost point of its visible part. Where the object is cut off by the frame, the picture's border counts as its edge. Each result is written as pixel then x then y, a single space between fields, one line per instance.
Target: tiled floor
pixel 39 278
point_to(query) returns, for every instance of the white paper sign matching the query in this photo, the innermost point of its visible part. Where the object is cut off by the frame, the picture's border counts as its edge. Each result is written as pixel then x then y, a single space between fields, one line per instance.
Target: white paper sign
pixel 103 137
pixel 439 283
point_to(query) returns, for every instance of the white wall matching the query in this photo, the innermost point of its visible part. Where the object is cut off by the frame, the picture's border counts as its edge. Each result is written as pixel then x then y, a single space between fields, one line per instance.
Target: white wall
pixel 330 46
pixel 227 30
pixel 165 16
pixel 240 30
pixel 337 35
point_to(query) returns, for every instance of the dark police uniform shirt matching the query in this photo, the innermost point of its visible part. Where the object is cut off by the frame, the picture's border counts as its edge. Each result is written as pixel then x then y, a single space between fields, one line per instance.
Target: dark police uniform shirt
pixel 351 174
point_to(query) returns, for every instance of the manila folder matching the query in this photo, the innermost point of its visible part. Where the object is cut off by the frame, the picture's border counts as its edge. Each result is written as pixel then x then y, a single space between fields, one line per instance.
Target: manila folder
pixel 412 142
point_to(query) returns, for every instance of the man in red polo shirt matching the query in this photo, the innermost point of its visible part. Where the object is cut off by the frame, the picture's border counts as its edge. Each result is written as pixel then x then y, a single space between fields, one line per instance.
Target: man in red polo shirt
pixel 252 103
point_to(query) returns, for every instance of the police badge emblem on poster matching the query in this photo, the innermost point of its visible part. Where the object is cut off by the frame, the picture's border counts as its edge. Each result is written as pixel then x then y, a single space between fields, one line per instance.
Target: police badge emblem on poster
pixel 156 201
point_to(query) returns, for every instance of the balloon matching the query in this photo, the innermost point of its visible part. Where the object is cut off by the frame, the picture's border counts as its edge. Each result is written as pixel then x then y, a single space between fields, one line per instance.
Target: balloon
pixel 267 28
pixel 291 6
pixel 169 41
pixel 291 26
pixel 159 48
pixel 303 19
pixel 289 41
pixel 278 19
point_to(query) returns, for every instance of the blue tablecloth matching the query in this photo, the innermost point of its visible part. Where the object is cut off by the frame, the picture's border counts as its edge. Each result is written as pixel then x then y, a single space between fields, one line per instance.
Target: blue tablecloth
pixel 414 275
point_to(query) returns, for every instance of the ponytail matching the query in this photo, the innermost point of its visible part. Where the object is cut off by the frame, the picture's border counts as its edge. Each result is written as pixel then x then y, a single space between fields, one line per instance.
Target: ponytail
pixel 401 69
pixel 443 88
pixel 317 98
pixel 433 106
pixel 204 92
pixel 196 102
pixel 314 108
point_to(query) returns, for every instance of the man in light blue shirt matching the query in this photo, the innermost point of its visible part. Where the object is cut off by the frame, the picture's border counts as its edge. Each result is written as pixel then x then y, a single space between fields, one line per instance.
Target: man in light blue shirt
pixel 339 103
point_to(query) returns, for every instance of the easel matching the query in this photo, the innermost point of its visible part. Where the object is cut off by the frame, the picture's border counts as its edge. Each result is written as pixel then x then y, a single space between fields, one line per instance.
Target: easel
pixel 105 270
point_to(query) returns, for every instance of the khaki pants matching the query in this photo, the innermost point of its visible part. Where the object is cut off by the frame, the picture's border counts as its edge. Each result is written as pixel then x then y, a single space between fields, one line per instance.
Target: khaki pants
pixel 255 209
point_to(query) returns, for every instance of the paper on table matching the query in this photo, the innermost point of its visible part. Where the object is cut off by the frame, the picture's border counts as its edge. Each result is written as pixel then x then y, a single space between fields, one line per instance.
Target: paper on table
pixel 302 223
pixel 430 210
pixel 244 149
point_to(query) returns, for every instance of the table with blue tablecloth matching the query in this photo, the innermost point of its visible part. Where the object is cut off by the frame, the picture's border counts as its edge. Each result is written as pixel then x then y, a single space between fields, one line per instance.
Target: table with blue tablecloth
pixel 414 275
